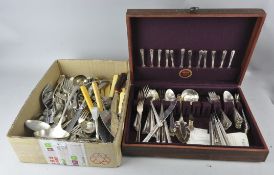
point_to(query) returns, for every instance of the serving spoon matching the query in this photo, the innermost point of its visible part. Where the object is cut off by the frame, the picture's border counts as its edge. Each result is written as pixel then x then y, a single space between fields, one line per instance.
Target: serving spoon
pixel 57 132
pixel 36 125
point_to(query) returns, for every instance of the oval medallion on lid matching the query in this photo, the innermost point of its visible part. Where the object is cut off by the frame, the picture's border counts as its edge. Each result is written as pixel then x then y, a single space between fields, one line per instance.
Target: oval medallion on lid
pixel 185 73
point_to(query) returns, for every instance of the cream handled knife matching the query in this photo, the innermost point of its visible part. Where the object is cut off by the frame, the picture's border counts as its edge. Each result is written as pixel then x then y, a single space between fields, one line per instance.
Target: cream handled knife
pixel 115 102
pixel 93 110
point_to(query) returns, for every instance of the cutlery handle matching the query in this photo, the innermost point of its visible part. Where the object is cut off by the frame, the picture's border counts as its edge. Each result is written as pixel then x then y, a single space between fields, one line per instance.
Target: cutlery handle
pixel 113 84
pixel 182 57
pixel 148 137
pixel 155 113
pixel 159 57
pixel 189 58
pixel 151 57
pixel 167 132
pixel 97 96
pixel 213 55
pixel 86 97
pixel 205 58
pixel 142 52
pixel 201 52
pixel 167 54
pixel 231 58
pixel 121 100
pixel 172 58
pixel 223 58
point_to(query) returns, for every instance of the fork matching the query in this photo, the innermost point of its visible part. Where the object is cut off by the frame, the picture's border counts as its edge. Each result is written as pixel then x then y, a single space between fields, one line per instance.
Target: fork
pixel 136 121
pixel 147 94
pixel 138 118
pixel 213 97
pixel 84 114
pixel 158 119
pixel 67 86
pixel 246 126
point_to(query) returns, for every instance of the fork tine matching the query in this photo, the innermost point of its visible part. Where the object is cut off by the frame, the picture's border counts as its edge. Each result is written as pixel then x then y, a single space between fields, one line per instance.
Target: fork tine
pixel 145 90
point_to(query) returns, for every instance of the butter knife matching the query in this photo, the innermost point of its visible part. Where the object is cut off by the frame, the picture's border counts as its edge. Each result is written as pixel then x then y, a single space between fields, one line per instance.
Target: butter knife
pixel 160 123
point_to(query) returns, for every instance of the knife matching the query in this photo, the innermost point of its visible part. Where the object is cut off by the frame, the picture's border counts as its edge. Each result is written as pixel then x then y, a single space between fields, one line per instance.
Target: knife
pixel 160 123
pixel 83 105
pixel 115 102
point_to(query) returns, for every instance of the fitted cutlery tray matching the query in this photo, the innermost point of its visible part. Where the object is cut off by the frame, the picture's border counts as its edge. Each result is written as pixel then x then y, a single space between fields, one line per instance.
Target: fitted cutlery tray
pixel 166 31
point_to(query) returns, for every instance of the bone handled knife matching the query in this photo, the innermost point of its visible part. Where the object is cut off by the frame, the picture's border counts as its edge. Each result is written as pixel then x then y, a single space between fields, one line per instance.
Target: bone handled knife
pixel 121 101
pixel 112 88
pixel 93 110
pixel 115 102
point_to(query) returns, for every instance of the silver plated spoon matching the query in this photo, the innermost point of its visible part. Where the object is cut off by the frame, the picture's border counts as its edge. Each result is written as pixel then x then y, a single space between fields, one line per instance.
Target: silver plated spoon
pixel 57 132
pixel 36 125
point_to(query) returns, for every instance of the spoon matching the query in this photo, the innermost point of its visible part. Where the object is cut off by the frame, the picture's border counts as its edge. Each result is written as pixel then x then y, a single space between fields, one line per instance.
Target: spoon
pixel 79 80
pixel 57 132
pixel 238 119
pixel 36 125
pixel 191 96
pixel 88 127
pixel 154 94
pixel 169 95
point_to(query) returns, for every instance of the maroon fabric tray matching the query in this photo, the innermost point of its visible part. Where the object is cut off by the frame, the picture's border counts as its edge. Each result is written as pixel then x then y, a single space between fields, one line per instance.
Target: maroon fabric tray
pixel 207 29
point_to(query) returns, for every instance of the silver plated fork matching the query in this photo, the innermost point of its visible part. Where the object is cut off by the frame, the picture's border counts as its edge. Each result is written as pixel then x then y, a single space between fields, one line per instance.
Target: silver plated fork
pixel 246 125
pixel 226 122
pixel 138 118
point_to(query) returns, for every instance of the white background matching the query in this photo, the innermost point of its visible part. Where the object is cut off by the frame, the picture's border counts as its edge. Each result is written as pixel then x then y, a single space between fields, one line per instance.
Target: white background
pixel 34 33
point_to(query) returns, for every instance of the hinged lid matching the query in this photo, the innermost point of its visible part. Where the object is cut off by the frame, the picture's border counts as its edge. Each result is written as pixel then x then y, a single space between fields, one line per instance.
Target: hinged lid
pixel 195 29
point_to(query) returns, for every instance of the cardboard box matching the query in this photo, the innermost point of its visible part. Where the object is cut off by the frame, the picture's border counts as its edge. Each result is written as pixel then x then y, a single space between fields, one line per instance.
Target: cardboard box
pixel 195 29
pixel 28 148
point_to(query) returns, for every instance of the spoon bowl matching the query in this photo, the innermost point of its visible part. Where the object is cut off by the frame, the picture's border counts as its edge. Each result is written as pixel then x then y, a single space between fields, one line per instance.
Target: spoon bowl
pixel 190 95
pixel 228 97
pixel 36 125
pixel 170 95
pixel 154 94
pixel 88 127
pixel 55 133
pixel 79 80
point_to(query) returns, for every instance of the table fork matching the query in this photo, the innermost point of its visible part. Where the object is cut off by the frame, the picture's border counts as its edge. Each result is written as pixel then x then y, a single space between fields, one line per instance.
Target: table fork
pixel 226 122
pixel 246 125
pixel 138 118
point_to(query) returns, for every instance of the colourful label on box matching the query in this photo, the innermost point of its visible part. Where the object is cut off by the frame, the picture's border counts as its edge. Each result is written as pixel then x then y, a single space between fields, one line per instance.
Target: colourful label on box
pixel 64 153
